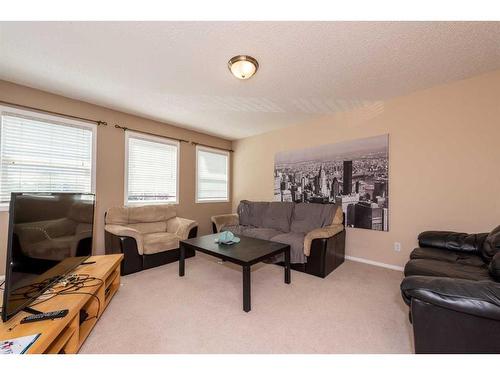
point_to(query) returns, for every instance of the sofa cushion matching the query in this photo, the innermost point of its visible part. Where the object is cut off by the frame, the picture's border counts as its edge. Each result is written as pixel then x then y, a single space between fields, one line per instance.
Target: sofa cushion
pixel 447 256
pixel 235 229
pixel 151 213
pixel 252 213
pixel 278 216
pixel 144 228
pixel 157 242
pixel 491 245
pixel 494 267
pixel 430 267
pixel 260 233
pixel 309 216
pixel 117 215
pixel 296 242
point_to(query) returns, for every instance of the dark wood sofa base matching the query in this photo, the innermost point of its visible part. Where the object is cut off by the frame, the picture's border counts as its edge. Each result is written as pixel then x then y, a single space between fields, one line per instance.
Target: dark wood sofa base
pixel 133 261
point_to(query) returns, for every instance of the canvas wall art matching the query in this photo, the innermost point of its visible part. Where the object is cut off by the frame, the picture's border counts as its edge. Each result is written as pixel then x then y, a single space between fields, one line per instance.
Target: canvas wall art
pixel 354 174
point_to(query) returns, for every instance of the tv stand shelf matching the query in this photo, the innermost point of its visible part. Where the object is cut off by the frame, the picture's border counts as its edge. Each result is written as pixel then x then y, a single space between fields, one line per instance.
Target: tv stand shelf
pixel 67 335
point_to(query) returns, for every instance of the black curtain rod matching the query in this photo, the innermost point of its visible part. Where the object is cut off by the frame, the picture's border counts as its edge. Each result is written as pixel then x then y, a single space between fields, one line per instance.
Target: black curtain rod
pixel 173 138
pixel 98 122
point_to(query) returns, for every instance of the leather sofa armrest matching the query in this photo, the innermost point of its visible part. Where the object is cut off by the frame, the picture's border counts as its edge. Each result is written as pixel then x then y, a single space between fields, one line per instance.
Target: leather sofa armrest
pixel 124 231
pixel 180 227
pixel 228 219
pixel 325 232
pixel 478 298
pixel 452 240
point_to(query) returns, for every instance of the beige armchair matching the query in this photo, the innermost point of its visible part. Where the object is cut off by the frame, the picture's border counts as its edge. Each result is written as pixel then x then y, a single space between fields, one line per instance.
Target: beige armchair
pixel 148 236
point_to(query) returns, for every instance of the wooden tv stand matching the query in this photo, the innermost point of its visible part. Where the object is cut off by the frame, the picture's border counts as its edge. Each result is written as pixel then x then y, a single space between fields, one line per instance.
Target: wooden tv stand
pixel 67 335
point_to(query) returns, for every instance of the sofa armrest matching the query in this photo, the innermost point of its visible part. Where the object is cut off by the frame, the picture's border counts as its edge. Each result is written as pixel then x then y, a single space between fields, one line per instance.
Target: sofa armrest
pixel 124 231
pixel 325 232
pixel 452 240
pixel 180 226
pixel 478 298
pixel 228 219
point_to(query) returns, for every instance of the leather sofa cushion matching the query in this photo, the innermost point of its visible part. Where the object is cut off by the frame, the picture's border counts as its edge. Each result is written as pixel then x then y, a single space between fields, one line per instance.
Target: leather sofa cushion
pixel 278 216
pixel 252 213
pixel 157 242
pixel 260 233
pixel 447 256
pixel 479 298
pixel 491 245
pixel 450 240
pixel 430 267
pixel 494 267
pixel 296 242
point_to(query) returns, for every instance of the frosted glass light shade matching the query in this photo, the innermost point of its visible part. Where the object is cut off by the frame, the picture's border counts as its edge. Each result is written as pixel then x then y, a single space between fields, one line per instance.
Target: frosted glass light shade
pixel 243 67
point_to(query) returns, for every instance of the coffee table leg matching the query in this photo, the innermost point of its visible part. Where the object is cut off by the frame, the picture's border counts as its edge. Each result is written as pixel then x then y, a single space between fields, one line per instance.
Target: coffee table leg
pixel 246 288
pixel 287 266
pixel 182 256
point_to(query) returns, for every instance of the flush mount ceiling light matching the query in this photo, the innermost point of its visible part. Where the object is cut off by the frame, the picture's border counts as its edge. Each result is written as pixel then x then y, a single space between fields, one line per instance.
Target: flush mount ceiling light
pixel 243 66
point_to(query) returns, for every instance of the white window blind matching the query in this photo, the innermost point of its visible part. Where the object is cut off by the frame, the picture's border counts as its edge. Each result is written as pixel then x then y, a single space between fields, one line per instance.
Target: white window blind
pixel 38 154
pixel 212 180
pixel 151 169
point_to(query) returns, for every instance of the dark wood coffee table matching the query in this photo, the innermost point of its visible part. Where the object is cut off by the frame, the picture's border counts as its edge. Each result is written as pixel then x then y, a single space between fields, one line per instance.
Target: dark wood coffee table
pixel 246 253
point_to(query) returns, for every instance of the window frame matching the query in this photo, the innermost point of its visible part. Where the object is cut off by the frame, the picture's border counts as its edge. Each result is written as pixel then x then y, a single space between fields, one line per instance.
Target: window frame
pixel 151 138
pixel 228 171
pixel 56 121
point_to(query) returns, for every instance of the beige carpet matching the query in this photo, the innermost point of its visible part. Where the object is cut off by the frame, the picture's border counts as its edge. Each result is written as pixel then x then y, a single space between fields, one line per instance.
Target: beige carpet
pixel 356 309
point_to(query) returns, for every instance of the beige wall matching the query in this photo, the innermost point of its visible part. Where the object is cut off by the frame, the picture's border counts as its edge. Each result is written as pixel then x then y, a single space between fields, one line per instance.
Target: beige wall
pixel 110 158
pixel 444 160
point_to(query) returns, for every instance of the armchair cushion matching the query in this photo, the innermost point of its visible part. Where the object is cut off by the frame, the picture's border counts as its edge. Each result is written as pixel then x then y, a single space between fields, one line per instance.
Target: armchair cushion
pixel 479 298
pixel 325 232
pixel 452 240
pixel 159 242
pixel 221 221
pixel 180 227
pixel 158 226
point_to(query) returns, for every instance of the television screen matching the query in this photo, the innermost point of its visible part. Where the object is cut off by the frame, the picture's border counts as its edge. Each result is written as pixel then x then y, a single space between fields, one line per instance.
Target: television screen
pixel 49 235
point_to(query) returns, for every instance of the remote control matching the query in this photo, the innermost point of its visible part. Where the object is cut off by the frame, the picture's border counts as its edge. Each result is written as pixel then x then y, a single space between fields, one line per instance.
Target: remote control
pixel 45 316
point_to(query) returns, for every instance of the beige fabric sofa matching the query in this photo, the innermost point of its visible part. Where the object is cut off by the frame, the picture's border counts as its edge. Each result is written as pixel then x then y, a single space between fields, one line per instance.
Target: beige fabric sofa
pixel 147 235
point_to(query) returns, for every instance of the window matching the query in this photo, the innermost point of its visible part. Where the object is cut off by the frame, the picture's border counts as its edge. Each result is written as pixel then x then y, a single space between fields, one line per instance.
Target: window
pixel 151 169
pixel 43 153
pixel 212 175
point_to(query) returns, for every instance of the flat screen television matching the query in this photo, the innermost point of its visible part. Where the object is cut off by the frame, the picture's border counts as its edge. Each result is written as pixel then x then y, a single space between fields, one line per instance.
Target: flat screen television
pixel 49 235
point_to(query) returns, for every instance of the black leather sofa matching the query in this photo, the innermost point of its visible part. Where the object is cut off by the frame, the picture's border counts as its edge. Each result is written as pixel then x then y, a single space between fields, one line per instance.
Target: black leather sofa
pixel 452 285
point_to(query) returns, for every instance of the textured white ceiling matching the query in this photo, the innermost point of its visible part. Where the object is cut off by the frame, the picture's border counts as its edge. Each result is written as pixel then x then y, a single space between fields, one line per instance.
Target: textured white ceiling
pixel 177 71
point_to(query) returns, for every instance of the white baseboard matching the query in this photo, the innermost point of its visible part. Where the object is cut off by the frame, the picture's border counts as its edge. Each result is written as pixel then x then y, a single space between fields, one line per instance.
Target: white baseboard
pixel 373 263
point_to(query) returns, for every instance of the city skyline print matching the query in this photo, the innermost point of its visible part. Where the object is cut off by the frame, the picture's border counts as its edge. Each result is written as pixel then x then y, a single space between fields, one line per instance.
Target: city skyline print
pixel 353 174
